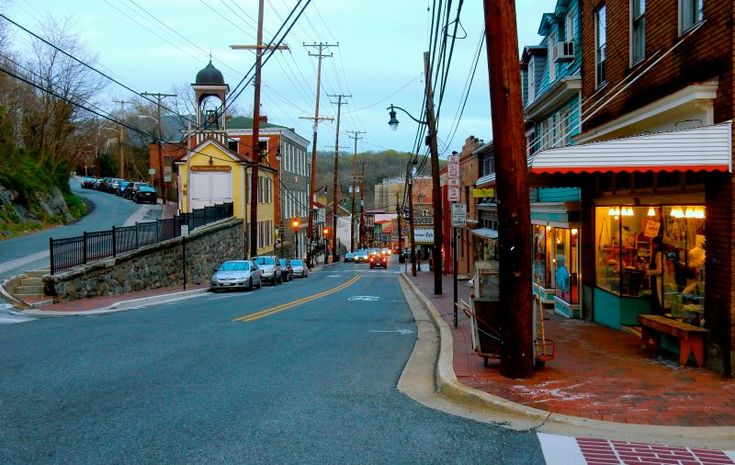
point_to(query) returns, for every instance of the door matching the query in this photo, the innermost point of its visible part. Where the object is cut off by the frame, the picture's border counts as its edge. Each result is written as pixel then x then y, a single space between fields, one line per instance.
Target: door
pixel 210 188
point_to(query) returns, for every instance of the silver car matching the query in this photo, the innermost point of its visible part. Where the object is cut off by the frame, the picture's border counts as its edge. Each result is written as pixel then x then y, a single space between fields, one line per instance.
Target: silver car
pixel 299 268
pixel 270 268
pixel 235 274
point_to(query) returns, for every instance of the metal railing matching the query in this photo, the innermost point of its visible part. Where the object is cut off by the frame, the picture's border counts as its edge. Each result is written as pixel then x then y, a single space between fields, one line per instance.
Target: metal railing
pixel 69 252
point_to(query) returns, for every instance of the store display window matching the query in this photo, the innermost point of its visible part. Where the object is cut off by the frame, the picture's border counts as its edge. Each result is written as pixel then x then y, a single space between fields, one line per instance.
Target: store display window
pixel 565 264
pixel 541 265
pixel 654 251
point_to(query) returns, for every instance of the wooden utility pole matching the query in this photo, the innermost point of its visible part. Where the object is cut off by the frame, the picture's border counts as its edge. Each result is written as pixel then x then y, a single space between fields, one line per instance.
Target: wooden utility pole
pixel 255 146
pixel 514 223
pixel 410 219
pixel 121 136
pixel 436 252
pixel 160 96
pixel 362 207
pixel 355 136
pixel 312 180
pixel 335 183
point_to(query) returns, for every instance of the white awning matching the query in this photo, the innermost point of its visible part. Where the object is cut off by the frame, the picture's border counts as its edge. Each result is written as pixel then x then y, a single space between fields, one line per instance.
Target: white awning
pixel 707 148
pixel 486 233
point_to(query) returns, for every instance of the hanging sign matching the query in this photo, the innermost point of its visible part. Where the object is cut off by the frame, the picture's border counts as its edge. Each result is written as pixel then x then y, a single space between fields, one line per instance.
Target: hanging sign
pixel 423 235
pixel 480 193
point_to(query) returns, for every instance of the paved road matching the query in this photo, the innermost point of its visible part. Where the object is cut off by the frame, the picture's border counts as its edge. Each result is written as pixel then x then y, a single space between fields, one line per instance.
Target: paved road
pixel 188 383
pixel 31 251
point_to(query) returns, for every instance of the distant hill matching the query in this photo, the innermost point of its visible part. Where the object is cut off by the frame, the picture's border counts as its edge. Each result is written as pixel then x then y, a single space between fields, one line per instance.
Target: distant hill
pixel 380 165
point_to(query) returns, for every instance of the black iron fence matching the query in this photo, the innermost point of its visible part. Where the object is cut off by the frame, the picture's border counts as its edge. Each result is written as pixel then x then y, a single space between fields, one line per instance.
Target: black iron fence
pixel 69 252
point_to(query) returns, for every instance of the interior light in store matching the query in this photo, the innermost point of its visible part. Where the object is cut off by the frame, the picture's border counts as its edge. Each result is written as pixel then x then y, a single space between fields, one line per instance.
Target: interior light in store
pixel 694 212
pixel 614 211
pixel 651 211
pixel 677 212
pixel 626 211
pixel 548 228
pixel 574 231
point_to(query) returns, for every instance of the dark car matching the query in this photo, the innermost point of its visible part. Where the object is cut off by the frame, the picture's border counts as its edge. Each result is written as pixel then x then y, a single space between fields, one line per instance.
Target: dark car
pixel 378 260
pixel 122 186
pixel 132 187
pixel 286 269
pixel 145 194
pixel 88 182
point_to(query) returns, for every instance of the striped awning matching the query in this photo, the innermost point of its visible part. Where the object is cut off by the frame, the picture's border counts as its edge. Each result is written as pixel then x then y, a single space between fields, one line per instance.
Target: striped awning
pixel 707 148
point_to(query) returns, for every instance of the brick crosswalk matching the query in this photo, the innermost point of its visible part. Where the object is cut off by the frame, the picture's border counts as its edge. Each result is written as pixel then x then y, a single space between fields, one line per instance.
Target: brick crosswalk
pixel 561 450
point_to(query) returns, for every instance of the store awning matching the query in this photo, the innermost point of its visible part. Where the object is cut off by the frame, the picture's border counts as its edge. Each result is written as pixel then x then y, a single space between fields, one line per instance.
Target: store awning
pixel 707 148
pixel 486 233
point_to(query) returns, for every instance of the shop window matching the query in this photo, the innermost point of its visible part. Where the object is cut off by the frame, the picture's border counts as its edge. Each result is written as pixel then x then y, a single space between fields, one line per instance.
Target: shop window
pixel 628 265
pixel 565 264
pixel 541 266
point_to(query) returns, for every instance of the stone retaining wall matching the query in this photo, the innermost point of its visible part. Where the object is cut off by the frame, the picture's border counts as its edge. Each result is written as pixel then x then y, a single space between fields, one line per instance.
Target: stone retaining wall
pixel 153 266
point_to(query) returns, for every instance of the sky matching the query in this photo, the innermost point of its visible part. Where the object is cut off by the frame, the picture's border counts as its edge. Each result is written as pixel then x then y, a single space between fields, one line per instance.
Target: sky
pixel 160 45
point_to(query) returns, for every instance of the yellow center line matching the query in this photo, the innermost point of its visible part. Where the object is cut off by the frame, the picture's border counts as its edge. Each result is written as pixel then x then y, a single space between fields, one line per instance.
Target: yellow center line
pixel 279 308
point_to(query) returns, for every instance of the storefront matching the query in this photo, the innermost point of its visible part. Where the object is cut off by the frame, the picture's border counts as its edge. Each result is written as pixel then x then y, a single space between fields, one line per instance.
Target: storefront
pixel 649 258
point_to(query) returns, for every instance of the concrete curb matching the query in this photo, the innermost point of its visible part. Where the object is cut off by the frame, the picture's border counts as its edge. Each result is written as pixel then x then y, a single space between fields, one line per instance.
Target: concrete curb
pixel 123 305
pixel 472 399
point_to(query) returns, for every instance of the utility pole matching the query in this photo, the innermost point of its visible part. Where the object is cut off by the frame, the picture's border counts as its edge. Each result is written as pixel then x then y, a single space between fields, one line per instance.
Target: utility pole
pixel 355 136
pixel 312 181
pixel 159 96
pixel 255 146
pixel 436 190
pixel 362 207
pixel 121 169
pixel 335 183
pixel 514 208
pixel 410 217
pixel 398 212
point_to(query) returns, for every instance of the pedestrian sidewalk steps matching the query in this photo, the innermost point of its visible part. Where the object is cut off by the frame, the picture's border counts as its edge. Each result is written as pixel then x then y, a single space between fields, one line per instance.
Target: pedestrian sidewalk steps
pixel 30 284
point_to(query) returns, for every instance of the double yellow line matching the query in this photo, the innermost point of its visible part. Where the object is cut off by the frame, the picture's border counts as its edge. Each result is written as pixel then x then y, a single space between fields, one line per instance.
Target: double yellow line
pixel 294 303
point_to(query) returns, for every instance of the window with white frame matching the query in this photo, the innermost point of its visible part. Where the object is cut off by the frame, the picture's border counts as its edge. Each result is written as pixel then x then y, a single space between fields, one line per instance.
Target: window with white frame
pixel 600 44
pixel 637 30
pixel 552 56
pixel 531 80
pixel 691 12
pixel 570 26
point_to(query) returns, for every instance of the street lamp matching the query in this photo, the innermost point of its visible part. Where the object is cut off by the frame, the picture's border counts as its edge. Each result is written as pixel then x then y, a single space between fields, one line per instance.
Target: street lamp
pixel 295 226
pixel 436 191
pixel 326 235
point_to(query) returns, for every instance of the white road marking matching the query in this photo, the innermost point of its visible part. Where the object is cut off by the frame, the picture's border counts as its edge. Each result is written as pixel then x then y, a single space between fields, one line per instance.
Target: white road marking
pixel 363 298
pixel 402 331
pixel 561 450
pixel 230 296
pixel 18 262
pixel 138 215
pixel 333 276
pixel 8 316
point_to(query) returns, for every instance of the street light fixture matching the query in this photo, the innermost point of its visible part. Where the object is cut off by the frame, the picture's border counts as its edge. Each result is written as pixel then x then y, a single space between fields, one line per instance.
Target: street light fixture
pixel 393 121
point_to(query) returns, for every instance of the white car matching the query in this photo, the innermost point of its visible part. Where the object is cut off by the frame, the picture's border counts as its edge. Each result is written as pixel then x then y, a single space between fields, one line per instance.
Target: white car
pixel 233 274
pixel 299 268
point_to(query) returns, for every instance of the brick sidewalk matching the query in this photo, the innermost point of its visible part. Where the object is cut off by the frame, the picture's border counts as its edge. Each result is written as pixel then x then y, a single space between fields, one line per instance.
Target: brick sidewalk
pixel 598 373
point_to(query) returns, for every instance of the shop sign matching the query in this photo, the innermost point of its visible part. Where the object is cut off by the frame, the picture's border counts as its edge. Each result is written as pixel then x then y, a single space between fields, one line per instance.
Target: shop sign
pixel 424 220
pixel 423 235
pixel 453 193
pixel 459 215
pixel 167 177
pixel 480 193
pixel 209 168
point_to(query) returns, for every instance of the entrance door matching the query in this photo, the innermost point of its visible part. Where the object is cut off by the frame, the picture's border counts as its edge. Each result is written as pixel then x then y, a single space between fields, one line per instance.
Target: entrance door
pixel 209 188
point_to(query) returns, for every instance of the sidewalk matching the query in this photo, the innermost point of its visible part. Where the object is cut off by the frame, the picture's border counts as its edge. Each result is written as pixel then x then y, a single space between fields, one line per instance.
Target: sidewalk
pixel 598 373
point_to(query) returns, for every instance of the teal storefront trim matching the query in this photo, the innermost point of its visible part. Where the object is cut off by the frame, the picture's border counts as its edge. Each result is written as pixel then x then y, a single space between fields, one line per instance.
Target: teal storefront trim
pixel 616 311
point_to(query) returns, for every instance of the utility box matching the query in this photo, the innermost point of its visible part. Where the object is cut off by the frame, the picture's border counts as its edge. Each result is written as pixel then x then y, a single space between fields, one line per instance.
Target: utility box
pixel 485 321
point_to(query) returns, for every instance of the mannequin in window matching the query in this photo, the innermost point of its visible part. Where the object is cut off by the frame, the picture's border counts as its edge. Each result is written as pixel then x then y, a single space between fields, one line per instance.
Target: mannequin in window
pixel 695 262
pixel 655 273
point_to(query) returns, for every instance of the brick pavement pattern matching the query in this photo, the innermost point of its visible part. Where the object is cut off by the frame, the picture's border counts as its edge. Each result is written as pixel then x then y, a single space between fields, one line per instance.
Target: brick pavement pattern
pixel 598 373
pixel 604 452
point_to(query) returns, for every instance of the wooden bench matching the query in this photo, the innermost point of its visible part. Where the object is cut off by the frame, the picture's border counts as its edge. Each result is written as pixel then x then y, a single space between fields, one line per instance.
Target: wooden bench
pixel 691 338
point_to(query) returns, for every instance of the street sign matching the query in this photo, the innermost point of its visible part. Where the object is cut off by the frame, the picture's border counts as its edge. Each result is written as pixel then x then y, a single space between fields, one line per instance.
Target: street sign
pixel 480 193
pixel 453 194
pixel 151 171
pixel 459 215
pixel 167 177
pixel 454 182
pixel 423 235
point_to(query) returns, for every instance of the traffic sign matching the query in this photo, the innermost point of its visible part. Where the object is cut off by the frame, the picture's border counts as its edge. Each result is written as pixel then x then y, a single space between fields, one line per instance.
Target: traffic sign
pixel 453 194
pixel 459 215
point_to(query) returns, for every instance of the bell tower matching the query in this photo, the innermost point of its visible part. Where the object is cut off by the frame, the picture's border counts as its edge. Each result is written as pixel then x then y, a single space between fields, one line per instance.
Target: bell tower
pixel 210 92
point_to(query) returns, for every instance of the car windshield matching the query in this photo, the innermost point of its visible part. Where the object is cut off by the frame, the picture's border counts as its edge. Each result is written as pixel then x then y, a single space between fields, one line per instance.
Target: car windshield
pixel 283 262
pixel 265 261
pixel 234 266
pixel 297 263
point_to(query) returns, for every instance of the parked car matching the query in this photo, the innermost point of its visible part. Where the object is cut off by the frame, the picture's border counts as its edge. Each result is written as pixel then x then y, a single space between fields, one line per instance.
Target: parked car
pixel 88 182
pixel 235 274
pixel 286 269
pixel 121 187
pixel 114 185
pixel 145 194
pixel 299 268
pixel 132 187
pixel 270 268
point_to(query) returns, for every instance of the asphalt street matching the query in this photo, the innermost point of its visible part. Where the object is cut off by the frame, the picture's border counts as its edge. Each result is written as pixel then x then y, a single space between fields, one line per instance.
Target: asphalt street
pixel 30 252
pixel 187 382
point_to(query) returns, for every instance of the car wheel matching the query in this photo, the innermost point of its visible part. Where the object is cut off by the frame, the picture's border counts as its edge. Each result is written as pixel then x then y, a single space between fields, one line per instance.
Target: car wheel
pixel 250 284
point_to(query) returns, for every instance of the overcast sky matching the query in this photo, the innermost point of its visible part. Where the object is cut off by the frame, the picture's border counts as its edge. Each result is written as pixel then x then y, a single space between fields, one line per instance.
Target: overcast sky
pixel 378 61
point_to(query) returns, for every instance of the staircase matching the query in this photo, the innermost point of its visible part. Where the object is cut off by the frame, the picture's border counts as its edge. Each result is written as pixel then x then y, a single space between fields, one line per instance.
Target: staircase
pixel 29 287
